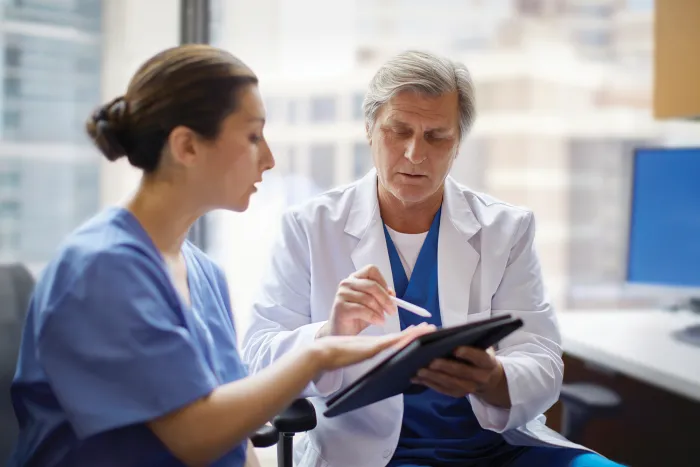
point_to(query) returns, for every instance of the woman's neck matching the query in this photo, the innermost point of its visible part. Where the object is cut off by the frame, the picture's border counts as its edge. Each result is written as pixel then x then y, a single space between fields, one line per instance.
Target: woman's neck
pixel 165 212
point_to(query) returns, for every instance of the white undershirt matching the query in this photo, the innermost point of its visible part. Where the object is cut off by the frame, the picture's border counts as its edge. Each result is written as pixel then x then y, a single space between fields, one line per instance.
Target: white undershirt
pixel 408 247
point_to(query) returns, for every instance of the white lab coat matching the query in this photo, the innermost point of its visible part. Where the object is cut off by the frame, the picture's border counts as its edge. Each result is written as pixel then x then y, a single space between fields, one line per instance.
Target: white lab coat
pixel 486 264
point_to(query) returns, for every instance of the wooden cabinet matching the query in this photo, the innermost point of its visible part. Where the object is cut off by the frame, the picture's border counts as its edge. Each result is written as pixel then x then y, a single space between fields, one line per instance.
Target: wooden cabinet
pixel 677 59
pixel 653 428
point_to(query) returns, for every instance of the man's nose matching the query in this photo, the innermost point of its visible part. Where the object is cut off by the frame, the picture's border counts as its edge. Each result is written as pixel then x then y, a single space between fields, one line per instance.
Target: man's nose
pixel 415 150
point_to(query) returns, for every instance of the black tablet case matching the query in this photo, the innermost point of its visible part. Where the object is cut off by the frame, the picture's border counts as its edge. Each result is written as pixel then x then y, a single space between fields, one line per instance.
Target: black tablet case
pixel 393 375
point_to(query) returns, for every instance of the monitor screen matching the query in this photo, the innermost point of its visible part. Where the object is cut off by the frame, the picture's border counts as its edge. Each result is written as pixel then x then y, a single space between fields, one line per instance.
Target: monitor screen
pixel 664 238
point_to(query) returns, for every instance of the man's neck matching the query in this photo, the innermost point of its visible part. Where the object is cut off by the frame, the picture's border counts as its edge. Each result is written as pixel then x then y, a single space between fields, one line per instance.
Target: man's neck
pixel 410 218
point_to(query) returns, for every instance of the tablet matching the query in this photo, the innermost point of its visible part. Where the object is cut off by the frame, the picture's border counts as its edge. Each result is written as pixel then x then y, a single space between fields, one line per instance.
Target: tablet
pixel 392 376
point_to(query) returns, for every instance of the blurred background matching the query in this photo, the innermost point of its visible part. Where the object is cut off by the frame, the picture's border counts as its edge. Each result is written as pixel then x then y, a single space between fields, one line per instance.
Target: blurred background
pixel 564 90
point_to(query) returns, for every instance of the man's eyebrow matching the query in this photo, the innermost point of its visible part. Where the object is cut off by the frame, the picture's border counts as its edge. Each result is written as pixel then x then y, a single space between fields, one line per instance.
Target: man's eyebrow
pixel 395 122
pixel 257 119
pixel 440 130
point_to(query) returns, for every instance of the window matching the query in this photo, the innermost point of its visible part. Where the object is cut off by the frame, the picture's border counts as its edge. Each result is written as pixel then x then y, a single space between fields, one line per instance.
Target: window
pixel 10 179
pixel 12 119
pixel 594 37
pixel 530 146
pixel 274 109
pixel 292 160
pixel 12 56
pixel 362 159
pixel 12 87
pixel 15 241
pixel 530 7
pixel 643 5
pixel 322 160
pixel 87 64
pixel 594 11
pixel 323 109
pixel 49 172
pixel 292 112
pixel 9 209
pixel 357 112
pixel 79 14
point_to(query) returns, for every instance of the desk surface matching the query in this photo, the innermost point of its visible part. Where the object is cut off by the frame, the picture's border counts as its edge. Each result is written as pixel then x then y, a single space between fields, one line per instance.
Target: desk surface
pixel 637 343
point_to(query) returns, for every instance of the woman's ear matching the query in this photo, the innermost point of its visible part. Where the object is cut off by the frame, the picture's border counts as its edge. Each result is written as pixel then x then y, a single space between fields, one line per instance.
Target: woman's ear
pixel 182 142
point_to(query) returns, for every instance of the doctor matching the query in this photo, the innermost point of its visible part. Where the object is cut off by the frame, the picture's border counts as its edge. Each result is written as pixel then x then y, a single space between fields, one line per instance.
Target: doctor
pixel 408 229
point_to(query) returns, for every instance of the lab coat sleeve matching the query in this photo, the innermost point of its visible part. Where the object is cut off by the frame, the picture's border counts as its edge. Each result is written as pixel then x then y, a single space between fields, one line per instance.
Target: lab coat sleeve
pixel 113 347
pixel 281 316
pixel 531 356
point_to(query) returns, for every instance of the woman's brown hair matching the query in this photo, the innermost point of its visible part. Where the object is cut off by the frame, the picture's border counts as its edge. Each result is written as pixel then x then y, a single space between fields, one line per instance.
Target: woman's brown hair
pixel 196 86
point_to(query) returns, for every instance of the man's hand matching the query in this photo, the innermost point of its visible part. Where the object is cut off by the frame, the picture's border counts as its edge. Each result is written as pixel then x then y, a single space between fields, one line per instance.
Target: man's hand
pixel 478 373
pixel 361 300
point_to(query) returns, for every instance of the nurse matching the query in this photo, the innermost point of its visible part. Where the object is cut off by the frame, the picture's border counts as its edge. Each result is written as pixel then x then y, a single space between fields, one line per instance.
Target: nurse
pixel 129 354
pixel 409 229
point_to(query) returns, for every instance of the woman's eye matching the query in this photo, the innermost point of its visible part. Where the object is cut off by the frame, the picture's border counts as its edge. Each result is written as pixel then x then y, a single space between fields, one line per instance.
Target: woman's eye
pixel 255 139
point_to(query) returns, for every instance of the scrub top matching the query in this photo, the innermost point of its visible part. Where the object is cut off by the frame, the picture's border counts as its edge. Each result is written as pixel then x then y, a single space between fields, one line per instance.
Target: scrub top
pixel 109 344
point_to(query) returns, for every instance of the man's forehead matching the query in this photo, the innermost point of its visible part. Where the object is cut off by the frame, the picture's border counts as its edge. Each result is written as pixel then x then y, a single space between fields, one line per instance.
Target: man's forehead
pixel 407 106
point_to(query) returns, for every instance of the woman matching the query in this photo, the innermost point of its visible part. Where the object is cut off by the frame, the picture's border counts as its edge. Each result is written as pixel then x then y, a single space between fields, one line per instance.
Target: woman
pixel 129 353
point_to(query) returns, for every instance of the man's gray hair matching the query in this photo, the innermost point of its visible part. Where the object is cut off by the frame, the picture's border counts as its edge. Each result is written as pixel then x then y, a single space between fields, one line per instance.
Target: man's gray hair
pixel 427 74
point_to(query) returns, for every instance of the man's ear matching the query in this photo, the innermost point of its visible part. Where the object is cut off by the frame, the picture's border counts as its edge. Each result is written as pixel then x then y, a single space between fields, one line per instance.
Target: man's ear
pixel 456 151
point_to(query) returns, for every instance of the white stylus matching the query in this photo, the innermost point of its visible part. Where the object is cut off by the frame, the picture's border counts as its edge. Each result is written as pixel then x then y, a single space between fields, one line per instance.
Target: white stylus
pixel 411 307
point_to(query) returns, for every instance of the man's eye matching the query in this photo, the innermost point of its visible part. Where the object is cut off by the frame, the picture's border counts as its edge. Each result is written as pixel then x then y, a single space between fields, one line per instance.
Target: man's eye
pixel 255 139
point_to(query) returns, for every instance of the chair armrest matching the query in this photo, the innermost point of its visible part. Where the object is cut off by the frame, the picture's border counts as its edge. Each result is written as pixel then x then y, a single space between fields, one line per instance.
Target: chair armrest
pixel 265 437
pixel 582 402
pixel 297 418
pixel 598 400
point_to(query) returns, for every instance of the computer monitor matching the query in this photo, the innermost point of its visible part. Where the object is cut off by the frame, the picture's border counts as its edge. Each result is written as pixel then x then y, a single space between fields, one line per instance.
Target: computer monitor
pixel 664 234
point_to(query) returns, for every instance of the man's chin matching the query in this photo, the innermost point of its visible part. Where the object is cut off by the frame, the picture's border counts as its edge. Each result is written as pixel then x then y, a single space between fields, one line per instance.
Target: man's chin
pixel 411 194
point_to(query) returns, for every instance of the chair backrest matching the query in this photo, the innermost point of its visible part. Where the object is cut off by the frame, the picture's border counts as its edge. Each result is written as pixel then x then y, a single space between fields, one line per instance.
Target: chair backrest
pixel 16 285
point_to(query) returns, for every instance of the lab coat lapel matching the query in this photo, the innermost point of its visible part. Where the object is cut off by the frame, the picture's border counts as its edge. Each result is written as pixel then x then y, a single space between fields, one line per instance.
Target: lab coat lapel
pixel 365 223
pixel 457 258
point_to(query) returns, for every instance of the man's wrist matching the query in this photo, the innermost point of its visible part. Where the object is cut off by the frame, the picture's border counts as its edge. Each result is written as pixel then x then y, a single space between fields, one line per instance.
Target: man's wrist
pixel 496 392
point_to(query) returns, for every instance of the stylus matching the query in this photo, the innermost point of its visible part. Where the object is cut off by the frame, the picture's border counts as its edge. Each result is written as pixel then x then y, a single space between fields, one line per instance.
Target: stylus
pixel 411 307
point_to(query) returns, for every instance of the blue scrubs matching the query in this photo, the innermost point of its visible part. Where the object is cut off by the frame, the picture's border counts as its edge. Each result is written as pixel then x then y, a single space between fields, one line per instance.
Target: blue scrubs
pixel 109 344
pixel 440 430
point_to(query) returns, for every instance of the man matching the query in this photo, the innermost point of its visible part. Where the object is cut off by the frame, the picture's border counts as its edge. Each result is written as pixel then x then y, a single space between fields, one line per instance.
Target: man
pixel 408 229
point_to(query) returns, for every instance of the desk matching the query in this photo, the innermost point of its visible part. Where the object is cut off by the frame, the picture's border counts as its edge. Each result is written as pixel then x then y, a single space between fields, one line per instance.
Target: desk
pixel 636 343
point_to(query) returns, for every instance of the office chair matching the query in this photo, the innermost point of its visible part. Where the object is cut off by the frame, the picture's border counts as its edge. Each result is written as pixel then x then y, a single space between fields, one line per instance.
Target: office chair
pixel 580 403
pixel 16 284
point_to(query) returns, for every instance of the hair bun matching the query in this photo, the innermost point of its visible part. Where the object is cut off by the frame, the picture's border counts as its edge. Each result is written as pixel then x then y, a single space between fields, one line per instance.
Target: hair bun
pixel 107 128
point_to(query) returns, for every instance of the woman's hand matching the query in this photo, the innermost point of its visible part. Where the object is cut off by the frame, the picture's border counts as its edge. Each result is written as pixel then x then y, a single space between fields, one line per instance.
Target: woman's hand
pixel 251 459
pixel 335 352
